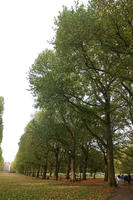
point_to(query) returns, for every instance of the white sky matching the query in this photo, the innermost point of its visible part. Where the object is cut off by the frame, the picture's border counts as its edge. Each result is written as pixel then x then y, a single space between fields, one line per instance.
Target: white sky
pixel 25 28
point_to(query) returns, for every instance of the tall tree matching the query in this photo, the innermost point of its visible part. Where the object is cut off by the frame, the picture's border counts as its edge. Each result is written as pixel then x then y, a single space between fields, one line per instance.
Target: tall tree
pixel 118 40
pixel 86 71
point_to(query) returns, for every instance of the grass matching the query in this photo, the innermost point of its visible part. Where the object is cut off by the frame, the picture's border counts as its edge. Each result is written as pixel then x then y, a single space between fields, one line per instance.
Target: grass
pixel 20 187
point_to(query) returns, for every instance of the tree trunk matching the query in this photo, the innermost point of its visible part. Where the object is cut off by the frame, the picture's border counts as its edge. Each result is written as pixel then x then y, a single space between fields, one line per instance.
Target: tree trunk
pixel 94 175
pixel 50 171
pixel 111 173
pixel 84 172
pixel 44 172
pixel 106 169
pixel 45 166
pixel 73 175
pixel 41 172
pixel 85 164
pixel 80 171
pixel 73 161
pixel 38 173
pixel 85 160
pixel 68 168
pixel 56 164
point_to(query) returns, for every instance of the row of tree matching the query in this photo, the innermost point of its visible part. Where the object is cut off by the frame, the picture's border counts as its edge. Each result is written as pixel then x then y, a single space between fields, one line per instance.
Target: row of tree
pixel 48 146
pixel 1 132
pixel 84 89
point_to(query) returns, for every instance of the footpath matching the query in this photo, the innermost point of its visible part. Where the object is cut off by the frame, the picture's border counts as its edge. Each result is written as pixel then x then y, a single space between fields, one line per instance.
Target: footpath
pixel 123 192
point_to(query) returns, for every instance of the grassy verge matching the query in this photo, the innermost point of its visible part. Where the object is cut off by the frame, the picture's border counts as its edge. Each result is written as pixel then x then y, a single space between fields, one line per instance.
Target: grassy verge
pixel 20 187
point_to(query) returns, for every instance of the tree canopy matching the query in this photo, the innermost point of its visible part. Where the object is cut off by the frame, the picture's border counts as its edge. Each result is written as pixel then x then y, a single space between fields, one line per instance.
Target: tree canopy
pixel 84 88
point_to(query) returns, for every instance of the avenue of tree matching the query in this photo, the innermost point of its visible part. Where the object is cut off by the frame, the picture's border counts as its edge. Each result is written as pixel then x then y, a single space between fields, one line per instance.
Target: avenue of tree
pixel 84 90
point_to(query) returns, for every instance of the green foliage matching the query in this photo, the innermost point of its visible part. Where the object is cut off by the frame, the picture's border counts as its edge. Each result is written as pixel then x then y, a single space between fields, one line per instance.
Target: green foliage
pixel 13 167
pixel 124 161
pixel 95 163
pixel 1 121
pixel 86 81
pixel 1 161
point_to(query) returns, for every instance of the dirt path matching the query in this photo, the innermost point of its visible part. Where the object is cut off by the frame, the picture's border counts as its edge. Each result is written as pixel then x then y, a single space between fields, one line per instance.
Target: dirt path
pixel 123 192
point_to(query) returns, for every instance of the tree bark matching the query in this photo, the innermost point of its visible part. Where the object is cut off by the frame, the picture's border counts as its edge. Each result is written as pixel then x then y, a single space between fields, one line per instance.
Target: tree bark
pixel 45 166
pixel 84 171
pixel 73 175
pixel 56 164
pixel 106 169
pixel 38 173
pixel 85 164
pixel 73 162
pixel 68 168
pixel 111 173
pixel 94 175
pixel 50 171
pixel 44 172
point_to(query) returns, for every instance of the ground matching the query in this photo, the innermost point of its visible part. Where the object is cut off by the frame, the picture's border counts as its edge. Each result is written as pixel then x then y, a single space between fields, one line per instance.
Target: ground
pixel 123 192
pixel 20 187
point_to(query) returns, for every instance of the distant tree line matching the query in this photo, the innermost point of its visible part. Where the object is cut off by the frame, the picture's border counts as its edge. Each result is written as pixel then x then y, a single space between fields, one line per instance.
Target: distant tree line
pixel 47 146
pixel 84 90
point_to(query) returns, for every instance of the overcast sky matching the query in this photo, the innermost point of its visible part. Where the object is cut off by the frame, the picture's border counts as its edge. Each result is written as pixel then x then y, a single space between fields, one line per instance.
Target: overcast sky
pixel 25 28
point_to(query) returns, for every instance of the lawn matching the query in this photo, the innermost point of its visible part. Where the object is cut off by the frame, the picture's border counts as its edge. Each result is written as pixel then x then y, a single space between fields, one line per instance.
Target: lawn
pixel 20 187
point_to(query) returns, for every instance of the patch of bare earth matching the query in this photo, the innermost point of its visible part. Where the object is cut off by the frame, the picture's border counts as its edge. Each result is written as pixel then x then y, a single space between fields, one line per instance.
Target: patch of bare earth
pixel 123 192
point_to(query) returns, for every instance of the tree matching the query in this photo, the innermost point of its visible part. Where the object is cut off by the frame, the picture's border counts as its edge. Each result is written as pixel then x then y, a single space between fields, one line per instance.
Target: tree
pixel 1 161
pixel 85 143
pixel 118 40
pixel 95 162
pixel 86 73
pixel 124 160
pixel 93 69
pixel 1 121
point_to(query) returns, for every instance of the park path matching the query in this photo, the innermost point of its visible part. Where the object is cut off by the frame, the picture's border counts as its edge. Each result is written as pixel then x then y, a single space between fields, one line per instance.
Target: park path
pixel 123 192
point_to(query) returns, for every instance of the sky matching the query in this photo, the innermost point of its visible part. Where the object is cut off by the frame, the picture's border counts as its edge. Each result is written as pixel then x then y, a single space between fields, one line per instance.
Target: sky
pixel 26 26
